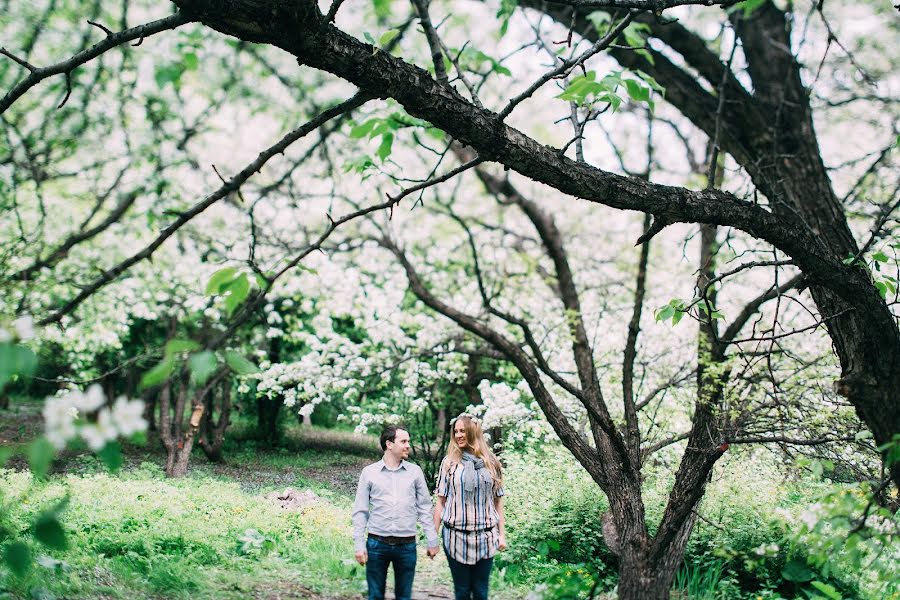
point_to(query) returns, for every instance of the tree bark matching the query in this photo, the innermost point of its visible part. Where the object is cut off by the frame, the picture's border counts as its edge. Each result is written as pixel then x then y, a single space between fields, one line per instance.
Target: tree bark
pixel 178 437
pixel 212 432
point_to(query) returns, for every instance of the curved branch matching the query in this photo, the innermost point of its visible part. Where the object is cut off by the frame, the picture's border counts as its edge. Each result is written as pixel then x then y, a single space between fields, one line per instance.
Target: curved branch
pixel 111 41
pixel 228 187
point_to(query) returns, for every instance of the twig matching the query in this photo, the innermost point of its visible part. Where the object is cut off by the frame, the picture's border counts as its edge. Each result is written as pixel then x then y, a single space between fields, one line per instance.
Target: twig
pixel 39 74
pixel 232 185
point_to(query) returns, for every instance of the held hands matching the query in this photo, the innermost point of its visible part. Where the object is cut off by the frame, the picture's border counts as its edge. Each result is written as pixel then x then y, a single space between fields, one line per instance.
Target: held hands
pixel 432 552
pixel 362 557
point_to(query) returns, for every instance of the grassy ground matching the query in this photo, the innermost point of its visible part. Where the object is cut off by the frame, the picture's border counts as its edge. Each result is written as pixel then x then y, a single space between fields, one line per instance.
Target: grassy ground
pixel 136 534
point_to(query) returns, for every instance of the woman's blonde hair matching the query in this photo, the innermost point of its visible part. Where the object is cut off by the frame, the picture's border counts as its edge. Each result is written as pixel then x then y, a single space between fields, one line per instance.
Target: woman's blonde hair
pixel 476 445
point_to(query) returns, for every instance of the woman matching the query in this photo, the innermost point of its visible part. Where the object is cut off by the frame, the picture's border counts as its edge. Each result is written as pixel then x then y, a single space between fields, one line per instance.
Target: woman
pixel 470 508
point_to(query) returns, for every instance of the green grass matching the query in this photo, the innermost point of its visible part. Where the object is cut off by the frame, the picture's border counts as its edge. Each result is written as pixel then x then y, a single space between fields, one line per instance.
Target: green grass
pixel 138 535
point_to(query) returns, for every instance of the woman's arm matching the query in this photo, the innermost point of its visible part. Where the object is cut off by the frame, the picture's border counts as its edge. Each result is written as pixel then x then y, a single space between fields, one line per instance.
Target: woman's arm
pixel 501 521
pixel 438 511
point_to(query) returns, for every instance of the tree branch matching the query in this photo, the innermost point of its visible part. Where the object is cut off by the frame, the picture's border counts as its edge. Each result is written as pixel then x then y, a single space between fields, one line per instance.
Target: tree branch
pixel 116 39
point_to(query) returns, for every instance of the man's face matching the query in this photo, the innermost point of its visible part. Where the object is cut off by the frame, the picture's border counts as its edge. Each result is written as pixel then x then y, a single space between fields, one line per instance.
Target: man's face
pixel 400 446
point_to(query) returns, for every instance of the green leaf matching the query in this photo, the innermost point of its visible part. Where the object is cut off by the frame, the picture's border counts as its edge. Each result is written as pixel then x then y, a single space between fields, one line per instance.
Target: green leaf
pixel 111 455
pixel 190 61
pixel 40 454
pixel 796 570
pixel 747 6
pixel 384 149
pixel 636 91
pixel 362 129
pixel 202 365
pixel 649 80
pixel 507 8
pixel 664 313
pixel 159 373
pixel 827 590
pixel 382 9
pixel 239 364
pixel 218 279
pixel 166 74
pixel 360 165
pixel 237 292
pixel 18 558
pixel 15 361
pixel 176 346
pixel 635 34
pixel 368 37
pixel 387 37
pixel 49 531
pixel 880 257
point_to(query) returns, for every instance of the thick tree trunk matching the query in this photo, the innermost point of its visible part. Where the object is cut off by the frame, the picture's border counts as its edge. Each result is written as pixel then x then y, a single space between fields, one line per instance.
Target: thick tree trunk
pixel 639 580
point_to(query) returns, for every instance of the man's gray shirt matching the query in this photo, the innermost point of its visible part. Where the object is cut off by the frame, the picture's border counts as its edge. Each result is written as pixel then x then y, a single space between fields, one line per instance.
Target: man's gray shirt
pixel 390 501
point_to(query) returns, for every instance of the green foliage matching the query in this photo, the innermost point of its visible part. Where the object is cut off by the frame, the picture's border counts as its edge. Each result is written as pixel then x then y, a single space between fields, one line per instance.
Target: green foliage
pixel 876 263
pixel 674 311
pixel 144 536
pixel 747 7
pixel 254 544
pixel 202 365
pixel 16 361
pixel 239 364
pixel 587 90
pixel 111 455
pixel 40 453
pixel 473 60
pixel 385 128
pixel 699 581
pixel 505 13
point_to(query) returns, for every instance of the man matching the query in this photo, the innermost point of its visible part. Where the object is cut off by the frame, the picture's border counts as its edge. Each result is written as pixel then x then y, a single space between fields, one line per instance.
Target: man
pixel 390 497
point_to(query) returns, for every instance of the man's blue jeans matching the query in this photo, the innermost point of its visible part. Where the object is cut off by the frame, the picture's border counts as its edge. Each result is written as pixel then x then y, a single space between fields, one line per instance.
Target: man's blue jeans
pixel 381 554
pixel 470 582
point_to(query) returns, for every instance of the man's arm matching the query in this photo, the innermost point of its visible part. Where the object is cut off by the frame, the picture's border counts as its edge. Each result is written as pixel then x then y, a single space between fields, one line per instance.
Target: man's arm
pixel 423 507
pixel 360 517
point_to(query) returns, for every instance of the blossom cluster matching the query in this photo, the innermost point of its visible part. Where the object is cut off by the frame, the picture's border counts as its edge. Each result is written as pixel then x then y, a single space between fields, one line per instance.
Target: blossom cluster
pixel 65 418
pixel 513 410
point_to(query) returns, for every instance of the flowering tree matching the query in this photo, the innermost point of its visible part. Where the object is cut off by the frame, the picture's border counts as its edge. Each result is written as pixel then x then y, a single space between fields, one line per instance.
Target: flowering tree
pixel 747 94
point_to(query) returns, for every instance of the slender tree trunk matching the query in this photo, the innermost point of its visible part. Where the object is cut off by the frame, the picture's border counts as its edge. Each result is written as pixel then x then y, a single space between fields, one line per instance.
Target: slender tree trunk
pixel 178 437
pixel 212 432
pixel 267 412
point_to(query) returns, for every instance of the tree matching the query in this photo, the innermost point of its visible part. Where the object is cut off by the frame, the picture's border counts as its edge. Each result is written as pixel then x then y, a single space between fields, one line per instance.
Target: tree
pixel 746 90
pixel 768 130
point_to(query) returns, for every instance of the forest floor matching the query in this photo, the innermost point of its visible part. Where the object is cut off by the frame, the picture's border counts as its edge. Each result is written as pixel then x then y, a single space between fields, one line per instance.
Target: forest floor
pixel 326 463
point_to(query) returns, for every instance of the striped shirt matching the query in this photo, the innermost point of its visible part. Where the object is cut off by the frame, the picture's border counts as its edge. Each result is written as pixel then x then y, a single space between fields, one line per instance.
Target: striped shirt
pixel 470 531
pixel 390 501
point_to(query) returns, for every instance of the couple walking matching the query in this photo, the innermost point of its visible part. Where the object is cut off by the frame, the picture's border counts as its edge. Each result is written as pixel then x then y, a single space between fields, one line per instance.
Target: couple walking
pixel 392 496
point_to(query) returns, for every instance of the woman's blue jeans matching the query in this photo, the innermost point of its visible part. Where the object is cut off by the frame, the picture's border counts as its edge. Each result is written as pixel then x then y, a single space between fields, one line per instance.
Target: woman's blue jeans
pixel 381 554
pixel 470 582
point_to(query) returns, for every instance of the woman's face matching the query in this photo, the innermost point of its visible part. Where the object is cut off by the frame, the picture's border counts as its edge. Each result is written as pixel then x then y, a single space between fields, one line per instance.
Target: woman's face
pixel 459 434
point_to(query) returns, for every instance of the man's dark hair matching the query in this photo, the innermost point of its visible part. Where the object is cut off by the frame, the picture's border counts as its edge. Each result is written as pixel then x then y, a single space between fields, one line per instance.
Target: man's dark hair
pixel 389 433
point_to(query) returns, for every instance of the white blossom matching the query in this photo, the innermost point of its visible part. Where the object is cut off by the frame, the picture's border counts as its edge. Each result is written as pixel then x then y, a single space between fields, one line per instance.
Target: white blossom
pixel 24 327
pixel 128 416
